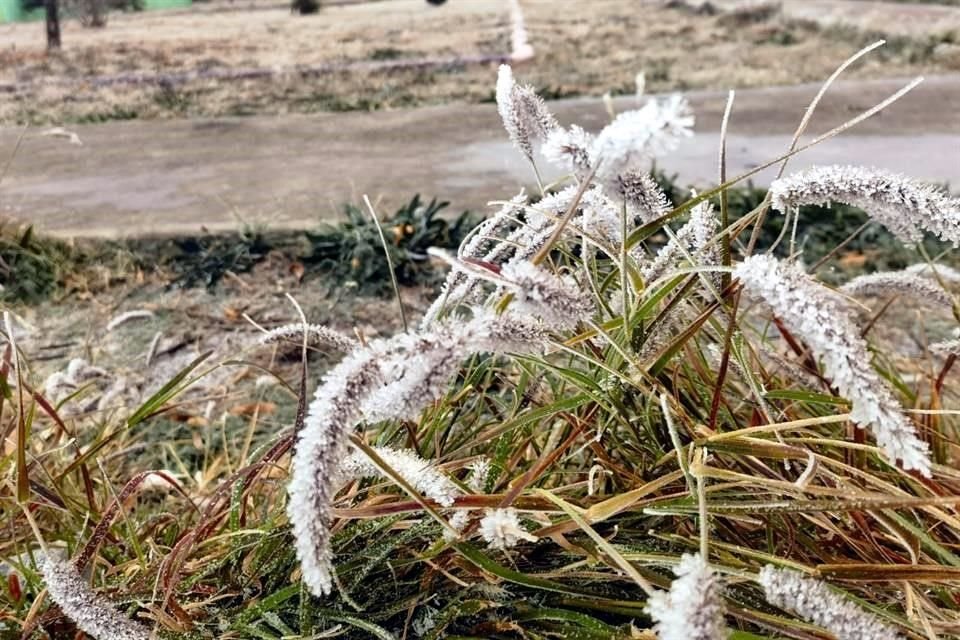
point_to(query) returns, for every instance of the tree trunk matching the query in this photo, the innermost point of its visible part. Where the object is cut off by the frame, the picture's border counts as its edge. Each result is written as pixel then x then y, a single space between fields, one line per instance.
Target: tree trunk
pixel 53 24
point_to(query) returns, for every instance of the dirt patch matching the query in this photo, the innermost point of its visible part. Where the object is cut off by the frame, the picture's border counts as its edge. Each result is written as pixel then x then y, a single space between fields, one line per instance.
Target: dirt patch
pixel 580 51
pixel 171 328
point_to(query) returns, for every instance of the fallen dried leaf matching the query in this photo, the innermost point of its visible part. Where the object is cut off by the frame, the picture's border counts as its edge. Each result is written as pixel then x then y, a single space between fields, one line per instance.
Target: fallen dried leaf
pixel 250 408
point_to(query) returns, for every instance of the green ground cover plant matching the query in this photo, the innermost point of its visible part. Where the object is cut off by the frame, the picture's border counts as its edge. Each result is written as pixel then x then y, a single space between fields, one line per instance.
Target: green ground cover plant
pixel 590 434
pixel 350 253
pixel 347 253
pixel 30 268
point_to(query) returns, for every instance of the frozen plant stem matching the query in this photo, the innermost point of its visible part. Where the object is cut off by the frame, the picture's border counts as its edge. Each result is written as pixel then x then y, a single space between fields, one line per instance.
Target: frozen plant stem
pixel 724 208
pixel 904 206
pixel 815 602
pixel 92 614
pixel 677 445
pixel 812 313
pixel 386 252
pixel 625 277
pixel 388 379
pixel 702 509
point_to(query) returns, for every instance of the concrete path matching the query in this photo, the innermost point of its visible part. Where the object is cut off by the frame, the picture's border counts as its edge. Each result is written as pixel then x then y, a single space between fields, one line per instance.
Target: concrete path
pixel 135 178
pixel 918 20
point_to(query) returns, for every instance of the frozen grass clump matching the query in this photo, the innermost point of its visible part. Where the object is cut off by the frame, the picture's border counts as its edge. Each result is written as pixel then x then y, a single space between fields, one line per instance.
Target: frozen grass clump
pixel 615 421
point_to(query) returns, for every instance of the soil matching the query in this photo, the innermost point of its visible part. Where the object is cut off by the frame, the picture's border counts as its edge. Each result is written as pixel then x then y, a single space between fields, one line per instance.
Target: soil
pixel 239 379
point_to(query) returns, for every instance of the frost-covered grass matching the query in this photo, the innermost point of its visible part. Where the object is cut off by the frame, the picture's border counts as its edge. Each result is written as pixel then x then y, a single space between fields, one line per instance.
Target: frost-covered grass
pixel 661 446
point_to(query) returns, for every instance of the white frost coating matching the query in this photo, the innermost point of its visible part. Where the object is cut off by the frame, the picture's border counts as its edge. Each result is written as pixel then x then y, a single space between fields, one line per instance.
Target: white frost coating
pixel 492 242
pixel 390 378
pixel 815 602
pixel 946 348
pixel 899 283
pixel 316 459
pixel 941 271
pixel 693 608
pixel 902 205
pixel 525 115
pixel 417 369
pixel 140 314
pixel 693 238
pixel 642 195
pixel 419 473
pixel 635 137
pixel 559 302
pixel 318 335
pixel 811 312
pixel 479 473
pixel 569 149
pixel 501 529
pixel 93 614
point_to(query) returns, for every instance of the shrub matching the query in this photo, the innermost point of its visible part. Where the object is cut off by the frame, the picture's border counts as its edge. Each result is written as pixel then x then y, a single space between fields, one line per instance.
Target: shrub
pixel 589 435
pixel 351 251
pixel 305 7
pixel 29 268
pixel 205 260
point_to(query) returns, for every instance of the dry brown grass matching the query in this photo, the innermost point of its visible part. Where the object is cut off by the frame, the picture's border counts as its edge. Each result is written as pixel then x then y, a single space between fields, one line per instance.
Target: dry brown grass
pixel 581 50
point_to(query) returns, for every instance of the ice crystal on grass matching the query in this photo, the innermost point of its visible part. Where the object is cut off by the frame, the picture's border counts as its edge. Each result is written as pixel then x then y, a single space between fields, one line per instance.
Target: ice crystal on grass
pixel 479 474
pixel 635 137
pixel 642 195
pixel 480 470
pixel 92 613
pixel 501 529
pixel 693 608
pixel 492 243
pixel 569 149
pixel 597 216
pixel 419 473
pixel 936 271
pixel 318 335
pixel 489 234
pixel 904 206
pixel 810 312
pixel 899 283
pixel 560 302
pixel 692 239
pixel 525 115
pixel 815 602
pixel 617 154
pixel 390 378
pixel 418 368
pixel 316 460
pixel 511 255
pixel 946 348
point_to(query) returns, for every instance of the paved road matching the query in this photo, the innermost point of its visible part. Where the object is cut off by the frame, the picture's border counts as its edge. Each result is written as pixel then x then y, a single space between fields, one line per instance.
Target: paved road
pixel 135 178
pixel 891 18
